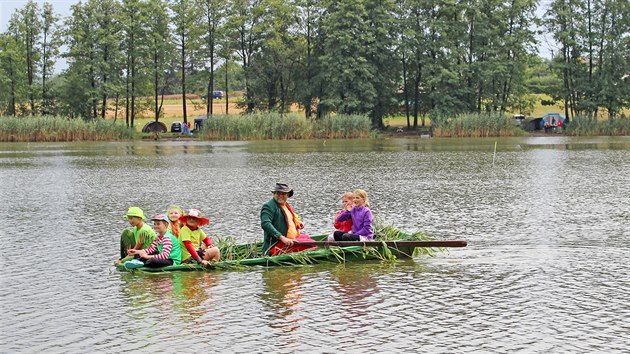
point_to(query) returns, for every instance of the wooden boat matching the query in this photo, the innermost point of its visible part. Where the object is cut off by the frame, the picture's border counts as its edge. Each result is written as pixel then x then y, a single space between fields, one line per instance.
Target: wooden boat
pixel 326 252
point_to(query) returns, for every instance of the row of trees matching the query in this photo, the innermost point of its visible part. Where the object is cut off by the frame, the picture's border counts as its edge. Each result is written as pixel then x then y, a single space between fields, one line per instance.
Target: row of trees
pixel 345 56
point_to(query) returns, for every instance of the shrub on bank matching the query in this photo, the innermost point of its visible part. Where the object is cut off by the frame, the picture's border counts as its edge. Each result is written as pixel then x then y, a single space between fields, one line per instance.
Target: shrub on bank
pixel 474 125
pixel 262 126
pixel 47 128
pixel 584 126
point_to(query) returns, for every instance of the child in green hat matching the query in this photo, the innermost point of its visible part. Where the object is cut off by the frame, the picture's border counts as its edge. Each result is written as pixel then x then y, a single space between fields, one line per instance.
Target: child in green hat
pixel 140 237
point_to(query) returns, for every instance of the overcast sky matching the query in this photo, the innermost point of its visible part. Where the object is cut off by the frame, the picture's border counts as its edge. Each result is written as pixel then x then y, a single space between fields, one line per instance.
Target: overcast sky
pixel 62 7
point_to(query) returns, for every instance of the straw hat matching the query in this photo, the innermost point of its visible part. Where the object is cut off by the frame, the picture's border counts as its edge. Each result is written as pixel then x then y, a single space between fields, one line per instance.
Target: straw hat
pixel 197 214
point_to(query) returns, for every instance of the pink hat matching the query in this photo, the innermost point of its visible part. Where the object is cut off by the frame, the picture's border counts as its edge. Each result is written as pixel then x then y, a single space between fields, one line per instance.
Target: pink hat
pixel 197 214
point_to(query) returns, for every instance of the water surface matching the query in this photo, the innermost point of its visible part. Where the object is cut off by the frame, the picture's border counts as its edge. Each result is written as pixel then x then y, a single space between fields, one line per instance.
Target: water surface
pixel 545 270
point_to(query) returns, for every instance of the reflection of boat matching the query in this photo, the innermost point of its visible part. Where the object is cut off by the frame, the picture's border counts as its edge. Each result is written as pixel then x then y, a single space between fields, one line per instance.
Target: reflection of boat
pixel 333 252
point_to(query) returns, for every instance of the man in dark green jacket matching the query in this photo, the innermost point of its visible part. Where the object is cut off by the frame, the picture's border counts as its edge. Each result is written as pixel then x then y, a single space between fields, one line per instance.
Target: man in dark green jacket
pixel 275 222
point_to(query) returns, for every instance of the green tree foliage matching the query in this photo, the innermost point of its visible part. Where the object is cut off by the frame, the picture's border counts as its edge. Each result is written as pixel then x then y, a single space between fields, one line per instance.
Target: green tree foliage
pixel 246 29
pixel 25 24
pixel 186 21
pixel 437 57
pixel 93 37
pixel 160 49
pixel 346 70
pixel 12 74
pixel 50 42
pixel 593 61
pixel 212 20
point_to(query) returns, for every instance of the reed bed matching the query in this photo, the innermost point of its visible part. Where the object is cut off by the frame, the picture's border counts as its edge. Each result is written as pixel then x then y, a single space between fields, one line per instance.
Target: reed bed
pixel 263 126
pixel 477 125
pixel 584 126
pixel 48 128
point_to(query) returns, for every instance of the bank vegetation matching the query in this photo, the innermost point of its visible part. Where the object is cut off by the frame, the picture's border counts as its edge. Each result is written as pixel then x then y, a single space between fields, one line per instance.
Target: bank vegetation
pixel 347 57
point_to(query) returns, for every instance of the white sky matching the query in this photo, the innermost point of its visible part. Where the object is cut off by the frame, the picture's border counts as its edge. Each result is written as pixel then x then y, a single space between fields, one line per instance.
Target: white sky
pixel 62 8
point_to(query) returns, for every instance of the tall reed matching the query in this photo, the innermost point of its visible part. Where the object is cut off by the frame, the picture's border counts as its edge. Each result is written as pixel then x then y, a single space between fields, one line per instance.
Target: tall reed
pixel 474 125
pixel 47 128
pixel 585 126
pixel 262 126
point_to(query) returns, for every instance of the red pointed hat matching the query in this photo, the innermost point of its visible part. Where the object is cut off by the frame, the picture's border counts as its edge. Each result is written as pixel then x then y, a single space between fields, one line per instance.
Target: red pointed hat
pixel 197 214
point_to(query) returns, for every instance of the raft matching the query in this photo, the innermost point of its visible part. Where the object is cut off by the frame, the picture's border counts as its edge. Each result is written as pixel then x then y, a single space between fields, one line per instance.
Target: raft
pixel 326 252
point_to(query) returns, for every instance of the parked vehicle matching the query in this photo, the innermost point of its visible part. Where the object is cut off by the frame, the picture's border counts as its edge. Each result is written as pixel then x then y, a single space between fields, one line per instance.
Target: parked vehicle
pixel 176 127
pixel 217 95
pixel 519 118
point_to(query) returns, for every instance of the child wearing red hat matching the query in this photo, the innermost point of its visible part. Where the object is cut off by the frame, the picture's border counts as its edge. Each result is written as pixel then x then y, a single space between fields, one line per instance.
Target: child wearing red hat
pixel 191 238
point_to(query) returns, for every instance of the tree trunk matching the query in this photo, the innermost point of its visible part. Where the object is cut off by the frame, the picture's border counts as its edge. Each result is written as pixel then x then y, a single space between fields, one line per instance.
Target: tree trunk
pixel 104 104
pixel 183 53
pixel 44 108
pixel 30 67
pixel 227 89
pixel 12 73
pixel 156 83
pixel 405 88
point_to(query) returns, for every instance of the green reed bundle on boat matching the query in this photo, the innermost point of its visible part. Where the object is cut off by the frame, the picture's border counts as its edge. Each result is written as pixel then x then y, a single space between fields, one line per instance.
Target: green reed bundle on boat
pixel 231 251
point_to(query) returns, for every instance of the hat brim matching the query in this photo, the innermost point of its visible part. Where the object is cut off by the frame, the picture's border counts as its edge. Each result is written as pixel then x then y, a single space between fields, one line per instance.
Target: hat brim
pixel 166 221
pixel 126 216
pixel 290 192
pixel 202 221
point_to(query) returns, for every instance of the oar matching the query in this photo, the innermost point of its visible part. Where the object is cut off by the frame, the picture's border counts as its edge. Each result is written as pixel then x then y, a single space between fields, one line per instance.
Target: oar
pixel 436 243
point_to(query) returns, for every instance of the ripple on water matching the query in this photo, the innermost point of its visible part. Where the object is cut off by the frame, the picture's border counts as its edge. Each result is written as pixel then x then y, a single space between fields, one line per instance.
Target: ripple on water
pixel 545 270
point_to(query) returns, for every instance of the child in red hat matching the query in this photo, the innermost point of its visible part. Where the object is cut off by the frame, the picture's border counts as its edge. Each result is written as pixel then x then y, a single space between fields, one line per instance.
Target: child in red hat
pixel 191 238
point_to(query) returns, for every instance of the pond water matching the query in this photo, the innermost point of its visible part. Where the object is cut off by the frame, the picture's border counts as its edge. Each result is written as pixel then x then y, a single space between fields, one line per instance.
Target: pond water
pixel 546 269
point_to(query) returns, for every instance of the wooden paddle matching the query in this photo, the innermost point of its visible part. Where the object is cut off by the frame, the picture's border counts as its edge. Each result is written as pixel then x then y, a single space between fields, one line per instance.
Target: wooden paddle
pixel 391 244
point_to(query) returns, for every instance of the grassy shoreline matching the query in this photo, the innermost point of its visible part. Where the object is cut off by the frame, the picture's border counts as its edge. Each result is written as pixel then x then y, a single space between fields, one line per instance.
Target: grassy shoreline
pixel 54 129
pixel 271 126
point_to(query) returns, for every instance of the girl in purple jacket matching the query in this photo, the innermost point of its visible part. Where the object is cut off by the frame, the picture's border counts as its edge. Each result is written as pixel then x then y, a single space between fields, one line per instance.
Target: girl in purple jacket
pixel 361 217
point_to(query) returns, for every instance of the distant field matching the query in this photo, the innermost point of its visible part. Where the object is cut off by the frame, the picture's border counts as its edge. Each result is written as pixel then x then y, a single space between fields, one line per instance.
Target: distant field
pixel 172 108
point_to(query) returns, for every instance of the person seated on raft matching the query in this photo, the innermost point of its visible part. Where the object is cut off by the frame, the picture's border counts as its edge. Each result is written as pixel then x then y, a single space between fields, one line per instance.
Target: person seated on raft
pixel 347 199
pixel 141 236
pixel 361 217
pixel 164 251
pixel 174 212
pixel 191 238
pixel 280 224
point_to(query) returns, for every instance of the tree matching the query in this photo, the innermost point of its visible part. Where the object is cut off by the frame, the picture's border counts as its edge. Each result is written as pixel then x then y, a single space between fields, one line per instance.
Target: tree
pixel 160 49
pixel 308 13
pixel 245 27
pixel 25 24
pixel 133 18
pixel 347 74
pixel 50 42
pixel 79 89
pixel 12 73
pixel 107 43
pixel 273 68
pixel 214 15
pixel 186 33
pixel 382 33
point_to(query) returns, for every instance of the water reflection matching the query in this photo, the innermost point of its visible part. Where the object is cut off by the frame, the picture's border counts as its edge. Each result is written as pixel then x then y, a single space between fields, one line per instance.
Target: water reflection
pixel 356 288
pixel 282 295
pixel 185 295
